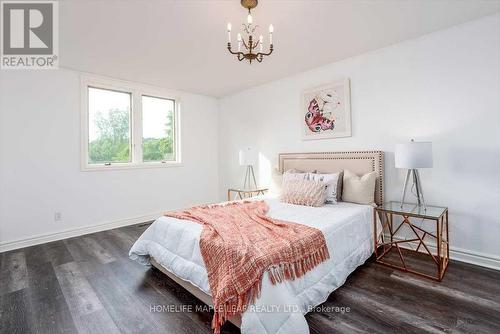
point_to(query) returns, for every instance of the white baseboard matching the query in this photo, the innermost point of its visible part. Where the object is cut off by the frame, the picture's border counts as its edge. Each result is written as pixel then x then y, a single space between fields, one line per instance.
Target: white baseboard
pixel 463 255
pixel 44 238
pixel 477 258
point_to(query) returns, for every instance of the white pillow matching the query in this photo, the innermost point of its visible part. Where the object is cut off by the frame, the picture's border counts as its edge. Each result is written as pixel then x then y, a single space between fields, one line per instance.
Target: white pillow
pixel 359 189
pixel 293 174
pixel 331 181
pixel 276 182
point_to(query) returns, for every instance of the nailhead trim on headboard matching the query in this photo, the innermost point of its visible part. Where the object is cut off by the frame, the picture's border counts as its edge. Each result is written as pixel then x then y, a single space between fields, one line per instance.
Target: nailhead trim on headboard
pixel 377 157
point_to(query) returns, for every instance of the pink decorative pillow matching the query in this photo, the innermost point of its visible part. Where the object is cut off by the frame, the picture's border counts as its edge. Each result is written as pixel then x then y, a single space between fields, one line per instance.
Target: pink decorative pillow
pixel 304 192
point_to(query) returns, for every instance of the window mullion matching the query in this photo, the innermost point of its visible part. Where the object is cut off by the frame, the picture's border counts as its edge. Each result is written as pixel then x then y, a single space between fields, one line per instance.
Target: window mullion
pixel 137 128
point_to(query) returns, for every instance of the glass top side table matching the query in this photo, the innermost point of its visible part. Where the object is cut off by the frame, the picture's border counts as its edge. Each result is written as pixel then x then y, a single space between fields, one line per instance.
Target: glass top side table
pixel 403 230
pixel 244 193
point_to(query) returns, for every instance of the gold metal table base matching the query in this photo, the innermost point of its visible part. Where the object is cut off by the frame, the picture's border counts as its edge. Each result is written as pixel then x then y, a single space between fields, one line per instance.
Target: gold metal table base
pixel 435 245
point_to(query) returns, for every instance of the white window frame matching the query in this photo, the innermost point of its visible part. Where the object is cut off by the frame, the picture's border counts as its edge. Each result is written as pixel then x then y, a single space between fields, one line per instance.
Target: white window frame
pixel 136 91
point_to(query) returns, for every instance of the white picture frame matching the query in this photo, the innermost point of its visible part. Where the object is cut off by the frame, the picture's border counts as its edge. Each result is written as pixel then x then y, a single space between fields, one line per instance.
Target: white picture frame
pixel 325 111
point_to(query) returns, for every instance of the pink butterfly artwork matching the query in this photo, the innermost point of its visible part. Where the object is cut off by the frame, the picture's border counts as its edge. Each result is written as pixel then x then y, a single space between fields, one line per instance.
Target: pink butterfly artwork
pixel 315 118
pixel 325 111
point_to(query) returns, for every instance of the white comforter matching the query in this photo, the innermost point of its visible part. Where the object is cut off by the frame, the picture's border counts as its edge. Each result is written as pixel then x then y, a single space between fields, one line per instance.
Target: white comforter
pixel 348 231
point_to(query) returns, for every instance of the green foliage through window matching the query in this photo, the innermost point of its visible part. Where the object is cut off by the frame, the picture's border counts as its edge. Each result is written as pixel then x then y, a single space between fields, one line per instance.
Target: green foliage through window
pixel 113 142
pixel 157 125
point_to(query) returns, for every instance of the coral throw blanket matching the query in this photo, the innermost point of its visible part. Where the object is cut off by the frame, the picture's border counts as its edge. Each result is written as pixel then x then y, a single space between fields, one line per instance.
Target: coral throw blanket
pixel 239 243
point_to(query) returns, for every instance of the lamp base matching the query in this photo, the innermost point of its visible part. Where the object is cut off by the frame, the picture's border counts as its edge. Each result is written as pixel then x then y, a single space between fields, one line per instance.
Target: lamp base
pixel 249 179
pixel 418 187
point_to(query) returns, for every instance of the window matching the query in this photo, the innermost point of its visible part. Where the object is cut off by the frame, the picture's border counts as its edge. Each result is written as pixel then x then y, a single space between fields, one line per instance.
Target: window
pixel 109 126
pixel 127 126
pixel 158 129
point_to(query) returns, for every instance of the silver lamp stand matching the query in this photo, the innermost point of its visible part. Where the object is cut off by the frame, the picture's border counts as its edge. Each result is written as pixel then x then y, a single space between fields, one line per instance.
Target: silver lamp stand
pixel 249 178
pixel 417 185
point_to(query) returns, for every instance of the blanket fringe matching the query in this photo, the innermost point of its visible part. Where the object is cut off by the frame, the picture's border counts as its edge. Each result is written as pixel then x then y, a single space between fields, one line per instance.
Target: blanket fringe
pixel 277 274
pixel 293 270
pixel 235 306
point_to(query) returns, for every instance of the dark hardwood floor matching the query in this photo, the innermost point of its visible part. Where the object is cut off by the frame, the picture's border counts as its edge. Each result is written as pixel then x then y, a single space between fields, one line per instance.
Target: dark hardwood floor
pixel 88 285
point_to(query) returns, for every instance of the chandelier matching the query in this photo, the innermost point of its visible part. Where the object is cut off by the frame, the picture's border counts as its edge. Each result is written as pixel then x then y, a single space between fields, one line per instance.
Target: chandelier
pixel 250 45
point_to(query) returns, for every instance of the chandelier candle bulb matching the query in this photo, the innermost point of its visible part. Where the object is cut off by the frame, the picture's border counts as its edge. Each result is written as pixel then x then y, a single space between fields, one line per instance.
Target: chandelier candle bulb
pixel 229 32
pixel 271 30
pixel 249 19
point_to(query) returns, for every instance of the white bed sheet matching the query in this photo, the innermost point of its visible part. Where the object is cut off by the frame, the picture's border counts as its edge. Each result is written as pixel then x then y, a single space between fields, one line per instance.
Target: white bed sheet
pixel 348 230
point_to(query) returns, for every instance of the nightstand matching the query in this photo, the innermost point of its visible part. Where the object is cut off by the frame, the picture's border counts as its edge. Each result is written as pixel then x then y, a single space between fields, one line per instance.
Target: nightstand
pixel 244 193
pixel 412 239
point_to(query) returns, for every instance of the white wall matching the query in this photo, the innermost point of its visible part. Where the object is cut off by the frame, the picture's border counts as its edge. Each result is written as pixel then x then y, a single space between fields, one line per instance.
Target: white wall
pixel 40 161
pixel 443 87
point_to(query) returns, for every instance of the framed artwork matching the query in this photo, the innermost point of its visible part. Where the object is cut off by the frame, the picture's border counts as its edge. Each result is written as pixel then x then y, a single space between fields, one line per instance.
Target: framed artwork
pixel 326 111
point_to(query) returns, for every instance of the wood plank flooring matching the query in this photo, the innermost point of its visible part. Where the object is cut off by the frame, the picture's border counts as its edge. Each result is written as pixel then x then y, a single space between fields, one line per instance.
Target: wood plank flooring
pixel 88 285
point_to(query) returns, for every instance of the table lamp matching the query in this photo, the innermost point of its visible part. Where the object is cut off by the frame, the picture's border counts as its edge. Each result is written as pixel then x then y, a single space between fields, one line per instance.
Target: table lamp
pixel 248 158
pixel 412 156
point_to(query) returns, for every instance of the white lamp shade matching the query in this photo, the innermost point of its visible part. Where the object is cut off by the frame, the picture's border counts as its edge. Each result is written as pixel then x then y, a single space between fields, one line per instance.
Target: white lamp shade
pixel 248 157
pixel 414 155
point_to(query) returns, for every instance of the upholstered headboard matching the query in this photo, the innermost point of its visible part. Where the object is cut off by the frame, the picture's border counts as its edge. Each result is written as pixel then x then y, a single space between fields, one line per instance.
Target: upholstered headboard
pixel 360 162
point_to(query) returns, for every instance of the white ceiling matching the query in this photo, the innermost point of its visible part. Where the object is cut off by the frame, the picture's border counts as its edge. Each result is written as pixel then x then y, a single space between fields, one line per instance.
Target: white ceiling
pixel 182 44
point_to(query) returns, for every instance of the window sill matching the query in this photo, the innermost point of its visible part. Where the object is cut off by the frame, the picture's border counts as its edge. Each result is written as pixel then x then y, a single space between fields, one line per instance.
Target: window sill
pixel 118 166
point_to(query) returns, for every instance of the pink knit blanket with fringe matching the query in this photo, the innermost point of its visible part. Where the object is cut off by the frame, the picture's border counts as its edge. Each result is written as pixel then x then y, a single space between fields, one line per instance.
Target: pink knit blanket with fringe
pixel 239 243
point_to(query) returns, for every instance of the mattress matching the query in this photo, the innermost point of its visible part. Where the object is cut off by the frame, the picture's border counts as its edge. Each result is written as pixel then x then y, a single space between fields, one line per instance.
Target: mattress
pixel 348 230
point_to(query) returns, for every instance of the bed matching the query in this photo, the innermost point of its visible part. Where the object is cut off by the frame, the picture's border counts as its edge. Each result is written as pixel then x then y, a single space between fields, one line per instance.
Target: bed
pixel 172 246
